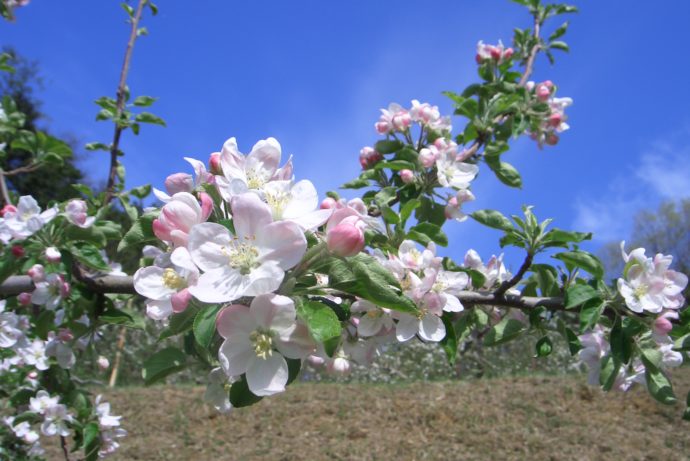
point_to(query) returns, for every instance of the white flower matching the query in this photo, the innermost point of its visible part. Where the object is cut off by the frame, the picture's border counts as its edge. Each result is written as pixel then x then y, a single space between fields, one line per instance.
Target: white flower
pixel 250 263
pixel 257 340
pixel 452 173
pixel 216 393
pixel 374 319
pixel 296 202
pixel 27 220
pixel 35 354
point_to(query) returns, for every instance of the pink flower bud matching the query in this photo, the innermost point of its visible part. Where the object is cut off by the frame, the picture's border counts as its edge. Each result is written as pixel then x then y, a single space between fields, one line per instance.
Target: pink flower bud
pixel 495 52
pixel 32 375
pixel 37 273
pixel 551 139
pixel 347 238
pixel 427 157
pixel 401 121
pixel 368 157
pixel 339 366
pixel 508 53
pixel 214 164
pixel 407 176
pixel 555 120
pixel 451 208
pixel 76 212
pixel 662 325
pixel 18 251
pixel 543 92
pixel 24 298
pixel 382 127
pixel 530 85
pixel 315 361
pixel 8 209
pixel 65 289
pixel 52 255
pixel 206 205
pixel 180 300
pixel 65 335
pixel 103 363
pixel 328 203
pixel 179 182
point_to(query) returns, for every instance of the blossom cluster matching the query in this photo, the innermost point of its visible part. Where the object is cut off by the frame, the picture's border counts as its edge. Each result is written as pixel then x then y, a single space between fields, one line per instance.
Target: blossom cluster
pixel 554 122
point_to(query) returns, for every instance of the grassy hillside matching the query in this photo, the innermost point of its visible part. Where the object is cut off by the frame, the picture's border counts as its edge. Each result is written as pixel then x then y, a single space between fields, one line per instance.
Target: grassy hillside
pixel 538 418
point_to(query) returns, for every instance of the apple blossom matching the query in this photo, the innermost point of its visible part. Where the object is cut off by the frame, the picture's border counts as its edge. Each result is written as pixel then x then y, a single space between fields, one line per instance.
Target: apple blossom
pixel 26 220
pixel 347 237
pixel 368 157
pixel 53 255
pixel 296 202
pixel 453 208
pixel 249 263
pixel 76 212
pixel 179 215
pixel 258 338
pixel 407 176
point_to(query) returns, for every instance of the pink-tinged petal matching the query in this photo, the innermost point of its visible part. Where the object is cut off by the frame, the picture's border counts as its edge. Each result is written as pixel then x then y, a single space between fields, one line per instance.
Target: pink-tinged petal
pixel 263 279
pixel 180 300
pixel 267 376
pixel 220 285
pixel 148 281
pixel 431 328
pixel 339 215
pixel 235 358
pixel 296 343
pixel 161 231
pixel 282 242
pixel 160 195
pixel 275 312
pixel 206 205
pixel 250 214
pixel 235 320
pixel 264 158
pixel 406 328
pixel 452 304
pixel 284 173
pixel 232 161
pixel 206 243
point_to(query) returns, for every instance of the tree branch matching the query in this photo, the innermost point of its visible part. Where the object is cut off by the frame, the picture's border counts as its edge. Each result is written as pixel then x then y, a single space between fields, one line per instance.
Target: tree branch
pixel 3 188
pixel 508 284
pixel 114 148
pixel 98 284
pixel 533 52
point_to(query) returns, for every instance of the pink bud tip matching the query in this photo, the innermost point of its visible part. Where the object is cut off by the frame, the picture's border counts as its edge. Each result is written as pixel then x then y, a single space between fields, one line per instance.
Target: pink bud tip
pixel 346 239
pixel 24 298
pixel 18 251
pixel 328 203
pixel 407 176
pixel 214 163
pixel 8 209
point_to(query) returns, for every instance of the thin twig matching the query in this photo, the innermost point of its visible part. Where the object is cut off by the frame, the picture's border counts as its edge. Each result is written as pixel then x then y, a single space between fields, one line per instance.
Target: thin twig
pixel 508 284
pixel 23 169
pixel 533 52
pixel 3 188
pixel 121 93
pixel 63 444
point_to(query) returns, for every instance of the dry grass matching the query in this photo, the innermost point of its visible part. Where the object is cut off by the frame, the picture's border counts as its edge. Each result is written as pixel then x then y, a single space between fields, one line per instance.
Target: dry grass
pixel 541 418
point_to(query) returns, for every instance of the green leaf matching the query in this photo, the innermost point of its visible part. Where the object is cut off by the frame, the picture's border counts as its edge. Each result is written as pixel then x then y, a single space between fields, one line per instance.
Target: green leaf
pixel 141 191
pixel 388 146
pixel 686 413
pixel 659 386
pixel 180 322
pixel 590 313
pixel 294 366
pixel 90 255
pixel 428 232
pixel 583 260
pixel 115 316
pixel 146 117
pixel 92 441
pixel 140 233
pixel 579 294
pixel 205 325
pixel 609 372
pixel 493 219
pixel 144 101
pixel 506 173
pixel 449 343
pixel 544 347
pixel 559 32
pixel 621 343
pixel 431 212
pixel 395 165
pixel 163 363
pixel 240 395
pixel 558 237
pixel 358 183
pixel 506 330
pixel 570 337
pixel 558 45
pixel 407 209
pixel 321 320
pixel 651 357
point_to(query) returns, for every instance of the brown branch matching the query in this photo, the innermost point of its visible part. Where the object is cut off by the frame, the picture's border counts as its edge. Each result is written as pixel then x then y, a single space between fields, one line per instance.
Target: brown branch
pixel 23 169
pixel 123 284
pixel 121 93
pixel 508 284
pixel 3 188
pixel 533 52
pixel 63 444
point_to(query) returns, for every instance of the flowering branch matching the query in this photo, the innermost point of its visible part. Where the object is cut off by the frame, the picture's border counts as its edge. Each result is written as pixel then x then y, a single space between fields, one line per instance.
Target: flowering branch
pixel 121 98
pixel 3 188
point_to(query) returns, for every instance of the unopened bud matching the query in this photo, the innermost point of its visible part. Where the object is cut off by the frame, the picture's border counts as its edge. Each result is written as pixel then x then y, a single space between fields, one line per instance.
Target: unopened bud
pixel 18 251
pixel 37 273
pixel 179 182
pixel 103 363
pixel 214 164
pixel 346 239
pixel 24 298
pixel 52 255
pixel 328 203
pixel 662 325
pixel 407 176
pixel 368 157
pixel 8 209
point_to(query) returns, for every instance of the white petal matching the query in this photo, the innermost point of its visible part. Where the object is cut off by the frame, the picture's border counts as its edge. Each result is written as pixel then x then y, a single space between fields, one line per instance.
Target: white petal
pixel 267 376
pixel 148 281
pixel 250 214
pixel 282 242
pixel 235 357
pixel 264 279
pixel 206 243
pixel 406 327
pixel 275 312
pixel 220 285
pixel 235 320
pixel 431 328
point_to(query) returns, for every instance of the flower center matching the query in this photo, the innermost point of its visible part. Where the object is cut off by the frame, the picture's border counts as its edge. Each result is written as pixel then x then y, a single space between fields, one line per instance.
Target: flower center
pixel 640 291
pixel 242 255
pixel 422 313
pixel 277 200
pixel 254 179
pixel 263 343
pixel 172 279
pixel 374 313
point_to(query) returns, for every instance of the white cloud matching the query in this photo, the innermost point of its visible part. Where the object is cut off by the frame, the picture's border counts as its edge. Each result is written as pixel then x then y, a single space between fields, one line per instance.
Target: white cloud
pixel 661 173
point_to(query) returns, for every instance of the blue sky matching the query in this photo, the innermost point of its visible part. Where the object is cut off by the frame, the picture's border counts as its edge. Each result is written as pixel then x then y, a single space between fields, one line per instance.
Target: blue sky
pixel 314 74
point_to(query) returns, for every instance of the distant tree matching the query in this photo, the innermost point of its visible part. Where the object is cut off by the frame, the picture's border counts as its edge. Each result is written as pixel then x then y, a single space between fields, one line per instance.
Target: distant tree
pixel 48 183
pixel 666 230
